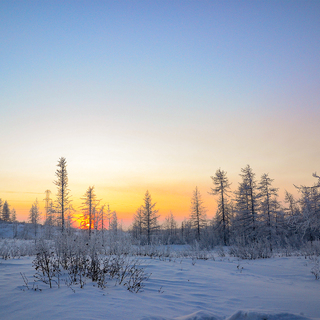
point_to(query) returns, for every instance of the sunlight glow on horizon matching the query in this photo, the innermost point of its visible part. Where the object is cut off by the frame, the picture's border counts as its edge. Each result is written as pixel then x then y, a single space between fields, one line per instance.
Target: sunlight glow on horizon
pixel 156 96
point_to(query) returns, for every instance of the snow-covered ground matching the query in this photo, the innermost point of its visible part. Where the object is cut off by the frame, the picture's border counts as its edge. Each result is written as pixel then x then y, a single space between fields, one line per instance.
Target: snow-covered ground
pixel 273 289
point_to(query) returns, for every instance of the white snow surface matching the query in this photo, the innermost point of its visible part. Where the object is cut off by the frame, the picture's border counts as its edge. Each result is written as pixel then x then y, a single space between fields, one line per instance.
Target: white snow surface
pixel 281 288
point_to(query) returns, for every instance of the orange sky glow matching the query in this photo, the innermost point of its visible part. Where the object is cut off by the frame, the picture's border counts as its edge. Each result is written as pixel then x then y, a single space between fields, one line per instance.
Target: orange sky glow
pixel 156 95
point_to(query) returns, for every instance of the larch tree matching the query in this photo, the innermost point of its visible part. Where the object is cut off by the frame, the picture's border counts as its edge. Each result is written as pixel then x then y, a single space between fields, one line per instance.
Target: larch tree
pixel 63 197
pixel 137 227
pixel 6 212
pixel 222 189
pixel 109 216
pixel 310 211
pixel 50 215
pixel 170 224
pixel 47 200
pixel 149 216
pixel 247 205
pixel 269 207
pixel 292 213
pixel 114 223
pixel 34 216
pixel 101 218
pixel 69 217
pixel 292 208
pixel 89 205
pixel 14 222
pixel 197 212
pixel 13 215
pixel 50 220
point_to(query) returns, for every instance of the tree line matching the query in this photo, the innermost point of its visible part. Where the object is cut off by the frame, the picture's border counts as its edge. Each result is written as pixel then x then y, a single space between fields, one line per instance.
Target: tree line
pixel 250 214
pixel 7 214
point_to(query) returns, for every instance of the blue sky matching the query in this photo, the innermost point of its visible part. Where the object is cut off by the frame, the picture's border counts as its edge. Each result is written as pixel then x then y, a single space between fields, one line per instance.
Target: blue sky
pixel 157 95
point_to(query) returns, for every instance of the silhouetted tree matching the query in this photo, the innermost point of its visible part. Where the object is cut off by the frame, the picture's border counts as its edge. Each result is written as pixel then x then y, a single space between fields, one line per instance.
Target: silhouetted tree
pixel 34 216
pixel 63 198
pixel 5 212
pixel 14 222
pixel 246 205
pixel 69 217
pixel 170 228
pixel 13 215
pixel 292 209
pixel 149 216
pixel 198 212
pixel 114 223
pixel 89 205
pixel 50 220
pixel 137 226
pixel 222 189
pixel 310 210
pixel 269 208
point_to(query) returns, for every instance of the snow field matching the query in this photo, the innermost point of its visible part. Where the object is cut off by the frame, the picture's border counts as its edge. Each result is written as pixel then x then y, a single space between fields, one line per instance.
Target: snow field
pixel 277 288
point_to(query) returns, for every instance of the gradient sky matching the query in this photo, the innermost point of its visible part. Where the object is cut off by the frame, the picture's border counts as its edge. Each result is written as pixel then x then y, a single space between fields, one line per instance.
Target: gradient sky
pixel 156 95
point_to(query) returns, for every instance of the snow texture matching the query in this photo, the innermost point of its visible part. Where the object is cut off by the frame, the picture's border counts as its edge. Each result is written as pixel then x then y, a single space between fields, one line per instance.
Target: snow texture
pixel 279 288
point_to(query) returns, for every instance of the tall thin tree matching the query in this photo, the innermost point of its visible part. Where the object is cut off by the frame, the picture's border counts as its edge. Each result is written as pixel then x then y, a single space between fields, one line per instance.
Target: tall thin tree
pixel 197 212
pixel 47 200
pixel 269 206
pixel 137 227
pixel 34 217
pixel 222 189
pixel 89 205
pixel 5 212
pixel 246 205
pixel 63 197
pixel 149 217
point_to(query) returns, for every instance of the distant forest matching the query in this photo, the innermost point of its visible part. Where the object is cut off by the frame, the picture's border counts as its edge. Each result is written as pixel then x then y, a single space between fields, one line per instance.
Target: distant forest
pixel 250 215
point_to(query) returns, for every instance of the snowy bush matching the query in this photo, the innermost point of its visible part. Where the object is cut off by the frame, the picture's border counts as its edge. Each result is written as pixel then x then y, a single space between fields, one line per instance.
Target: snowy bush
pixel 75 259
pixel 311 249
pixel 5 250
pixel 197 253
pixel 126 271
pixel 46 265
pixel 12 248
pixel 251 251
pixel 221 252
pixel 315 270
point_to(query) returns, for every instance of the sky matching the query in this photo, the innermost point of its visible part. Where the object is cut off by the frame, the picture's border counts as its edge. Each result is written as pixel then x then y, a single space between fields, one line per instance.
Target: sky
pixel 156 95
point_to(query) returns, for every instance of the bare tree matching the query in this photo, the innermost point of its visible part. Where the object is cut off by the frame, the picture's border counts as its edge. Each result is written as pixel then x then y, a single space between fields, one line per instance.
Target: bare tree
pixel 69 217
pixel 109 216
pixel 89 205
pixel 5 212
pixel 268 206
pixel 198 212
pixel 101 218
pixel 292 204
pixel 47 200
pixel 14 222
pixel 149 217
pixel 137 226
pixel 170 225
pixel 13 215
pixel 246 205
pixel 34 217
pixel 310 210
pixel 50 220
pixel 114 223
pixel 63 197
pixel 222 189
